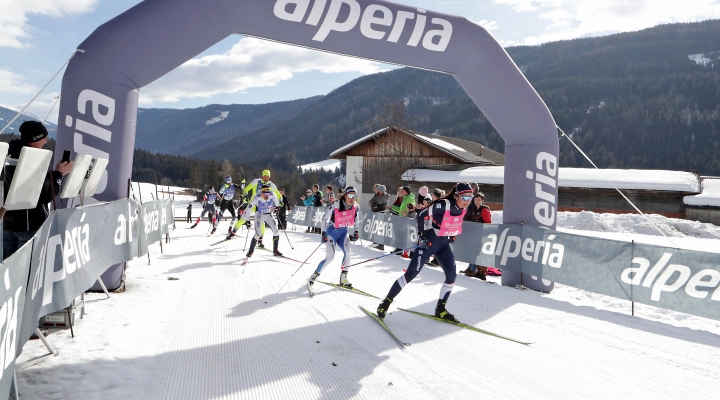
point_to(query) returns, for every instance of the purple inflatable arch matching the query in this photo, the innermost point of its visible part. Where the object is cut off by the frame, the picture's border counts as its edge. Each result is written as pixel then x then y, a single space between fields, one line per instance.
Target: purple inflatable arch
pixel 100 89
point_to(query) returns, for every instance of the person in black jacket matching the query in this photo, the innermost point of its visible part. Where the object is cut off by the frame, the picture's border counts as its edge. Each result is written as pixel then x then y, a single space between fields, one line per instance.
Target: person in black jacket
pixel 19 226
pixel 317 202
pixel 282 211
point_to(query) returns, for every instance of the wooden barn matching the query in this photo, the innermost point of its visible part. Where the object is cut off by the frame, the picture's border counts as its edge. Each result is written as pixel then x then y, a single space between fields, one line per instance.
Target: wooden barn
pixel 383 156
pixel 581 189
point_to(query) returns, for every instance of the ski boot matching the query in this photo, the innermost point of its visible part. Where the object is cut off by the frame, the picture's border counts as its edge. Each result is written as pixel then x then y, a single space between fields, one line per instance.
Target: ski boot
pixel 344 280
pixel 276 241
pixel 213 230
pixel 230 235
pixel 252 248
pixel 230 228
pixel 383 308
pixel 441 312
pixel 312 278
pixel 260 244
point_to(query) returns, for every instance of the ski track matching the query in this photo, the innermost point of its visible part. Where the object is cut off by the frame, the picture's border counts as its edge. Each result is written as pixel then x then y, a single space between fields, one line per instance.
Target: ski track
pixel 221 333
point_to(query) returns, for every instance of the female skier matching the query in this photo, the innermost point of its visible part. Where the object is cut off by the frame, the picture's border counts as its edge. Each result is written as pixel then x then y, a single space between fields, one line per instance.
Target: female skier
pixel 337 221
pixel 438 225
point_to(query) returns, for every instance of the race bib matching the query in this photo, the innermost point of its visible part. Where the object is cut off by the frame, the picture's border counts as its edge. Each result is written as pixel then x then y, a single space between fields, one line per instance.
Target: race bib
pixel 343 219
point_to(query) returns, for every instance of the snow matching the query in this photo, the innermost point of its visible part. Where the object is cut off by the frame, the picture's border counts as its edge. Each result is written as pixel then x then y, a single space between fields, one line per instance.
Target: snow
pixel 699 59
pixel 633 179
pixel 232 332
pixel 222 116
pixel 710 195
pixel 442 143
pixel 327 165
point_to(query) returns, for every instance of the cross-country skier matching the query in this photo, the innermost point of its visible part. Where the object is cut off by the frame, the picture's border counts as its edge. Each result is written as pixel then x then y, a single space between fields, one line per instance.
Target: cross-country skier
pixel 438 225
pixel 208 206
pixel 250 191
pixel 265 202
pixel 226 195
pixel 338 220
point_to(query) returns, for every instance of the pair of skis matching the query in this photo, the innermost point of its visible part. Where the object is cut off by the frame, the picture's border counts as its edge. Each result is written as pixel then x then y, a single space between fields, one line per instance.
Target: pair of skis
pixel 343 287
pixel 456 323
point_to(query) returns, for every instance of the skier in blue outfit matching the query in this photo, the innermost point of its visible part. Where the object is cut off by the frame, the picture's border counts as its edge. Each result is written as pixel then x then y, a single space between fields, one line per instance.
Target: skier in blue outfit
pixel 438 225
pixel 208 206
pixel 338 220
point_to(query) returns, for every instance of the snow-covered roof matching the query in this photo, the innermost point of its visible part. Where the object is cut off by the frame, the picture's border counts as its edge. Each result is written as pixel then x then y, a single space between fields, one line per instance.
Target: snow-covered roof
pixel 710 195
pixel 629 179
pixel 327 165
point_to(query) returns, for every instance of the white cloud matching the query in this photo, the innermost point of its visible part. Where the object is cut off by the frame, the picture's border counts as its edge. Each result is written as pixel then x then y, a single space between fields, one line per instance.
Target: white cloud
pixel 571 19
pixel 12 83
pixel 14 16
pixel 248 64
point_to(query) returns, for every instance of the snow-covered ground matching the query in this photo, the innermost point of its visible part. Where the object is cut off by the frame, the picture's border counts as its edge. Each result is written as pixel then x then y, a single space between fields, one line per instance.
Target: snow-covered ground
pixel 224 331
pixel 326 165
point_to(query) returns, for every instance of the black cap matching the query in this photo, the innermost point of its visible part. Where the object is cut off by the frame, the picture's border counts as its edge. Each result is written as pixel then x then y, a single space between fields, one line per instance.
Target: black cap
pixel 32 131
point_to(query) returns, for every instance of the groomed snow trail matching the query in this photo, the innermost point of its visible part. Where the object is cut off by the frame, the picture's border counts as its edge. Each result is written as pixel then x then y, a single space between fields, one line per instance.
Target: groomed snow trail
pixel 224 331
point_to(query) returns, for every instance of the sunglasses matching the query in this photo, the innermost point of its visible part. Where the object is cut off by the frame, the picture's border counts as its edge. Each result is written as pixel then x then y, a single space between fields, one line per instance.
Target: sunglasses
pixel 351 195
pixel 467 198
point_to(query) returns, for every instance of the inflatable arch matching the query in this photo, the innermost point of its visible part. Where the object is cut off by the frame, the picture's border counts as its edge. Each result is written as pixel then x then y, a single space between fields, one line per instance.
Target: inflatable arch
pixel 101 85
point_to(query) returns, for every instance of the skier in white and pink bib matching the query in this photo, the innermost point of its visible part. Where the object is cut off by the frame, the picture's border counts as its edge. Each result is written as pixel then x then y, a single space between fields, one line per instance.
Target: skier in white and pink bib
pixel 338 220
pixel 438 224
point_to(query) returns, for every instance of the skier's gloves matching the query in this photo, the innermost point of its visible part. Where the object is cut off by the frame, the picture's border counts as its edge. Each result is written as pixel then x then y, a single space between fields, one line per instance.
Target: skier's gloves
pixel 355 236
pixel 424 243
pixel 324 237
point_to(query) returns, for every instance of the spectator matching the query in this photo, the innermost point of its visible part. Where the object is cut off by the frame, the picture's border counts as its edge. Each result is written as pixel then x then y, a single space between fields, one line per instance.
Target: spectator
pixel 340 193
pixel 329 196
pixel 481 215
pixel 379 202
pixel 308 200
pixel 21 225
pixel 403 198
pixel 282 211
pixel 317 202
pixel 437 193
pixel 475 188
pixel 423 191
pixel 189 213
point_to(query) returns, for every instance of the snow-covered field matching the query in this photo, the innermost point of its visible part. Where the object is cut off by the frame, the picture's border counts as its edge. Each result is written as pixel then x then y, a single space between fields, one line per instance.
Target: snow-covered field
pixel 224 331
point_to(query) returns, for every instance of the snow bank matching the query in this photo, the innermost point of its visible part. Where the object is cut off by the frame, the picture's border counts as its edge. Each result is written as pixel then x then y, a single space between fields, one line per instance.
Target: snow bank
pixel 628 179
pixel 327 165
pixel 710 195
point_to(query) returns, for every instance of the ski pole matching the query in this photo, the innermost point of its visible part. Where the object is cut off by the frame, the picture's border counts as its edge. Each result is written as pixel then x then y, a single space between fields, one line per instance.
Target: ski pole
pixel 246 238
pixel 298 269
pixel 390 254
pixel 288 239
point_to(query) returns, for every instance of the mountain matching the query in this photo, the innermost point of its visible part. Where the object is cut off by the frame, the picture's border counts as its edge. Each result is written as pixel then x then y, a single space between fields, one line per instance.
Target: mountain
pixel 646 99
pixel 7 113
pixel 182 132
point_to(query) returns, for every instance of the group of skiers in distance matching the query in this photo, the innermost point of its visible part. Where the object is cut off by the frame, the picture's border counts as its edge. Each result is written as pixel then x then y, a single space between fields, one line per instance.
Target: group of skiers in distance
pixel 439 218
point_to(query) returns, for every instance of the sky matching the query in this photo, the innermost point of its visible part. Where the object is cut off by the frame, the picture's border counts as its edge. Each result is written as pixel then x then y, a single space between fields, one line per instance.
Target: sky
pixel 38 36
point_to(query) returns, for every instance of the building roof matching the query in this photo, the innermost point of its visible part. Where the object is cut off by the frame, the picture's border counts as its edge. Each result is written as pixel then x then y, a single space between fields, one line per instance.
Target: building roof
pixel 463 150
pixel 710 195
pixel 627 179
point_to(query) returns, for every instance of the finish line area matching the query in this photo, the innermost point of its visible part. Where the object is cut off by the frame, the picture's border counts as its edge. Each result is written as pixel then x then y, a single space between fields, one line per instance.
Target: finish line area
pixel 227 331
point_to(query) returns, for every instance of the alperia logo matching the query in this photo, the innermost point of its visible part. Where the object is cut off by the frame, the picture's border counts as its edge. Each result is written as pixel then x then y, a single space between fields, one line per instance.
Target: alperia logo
pixel 376 22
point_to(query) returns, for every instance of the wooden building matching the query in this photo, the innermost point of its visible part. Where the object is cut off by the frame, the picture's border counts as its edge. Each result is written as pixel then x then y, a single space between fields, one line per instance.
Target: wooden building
pixel 705 207
pixel 383 156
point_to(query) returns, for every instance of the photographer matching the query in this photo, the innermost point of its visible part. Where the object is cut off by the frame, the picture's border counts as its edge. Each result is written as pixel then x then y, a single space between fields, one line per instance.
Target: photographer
pixel 19 226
